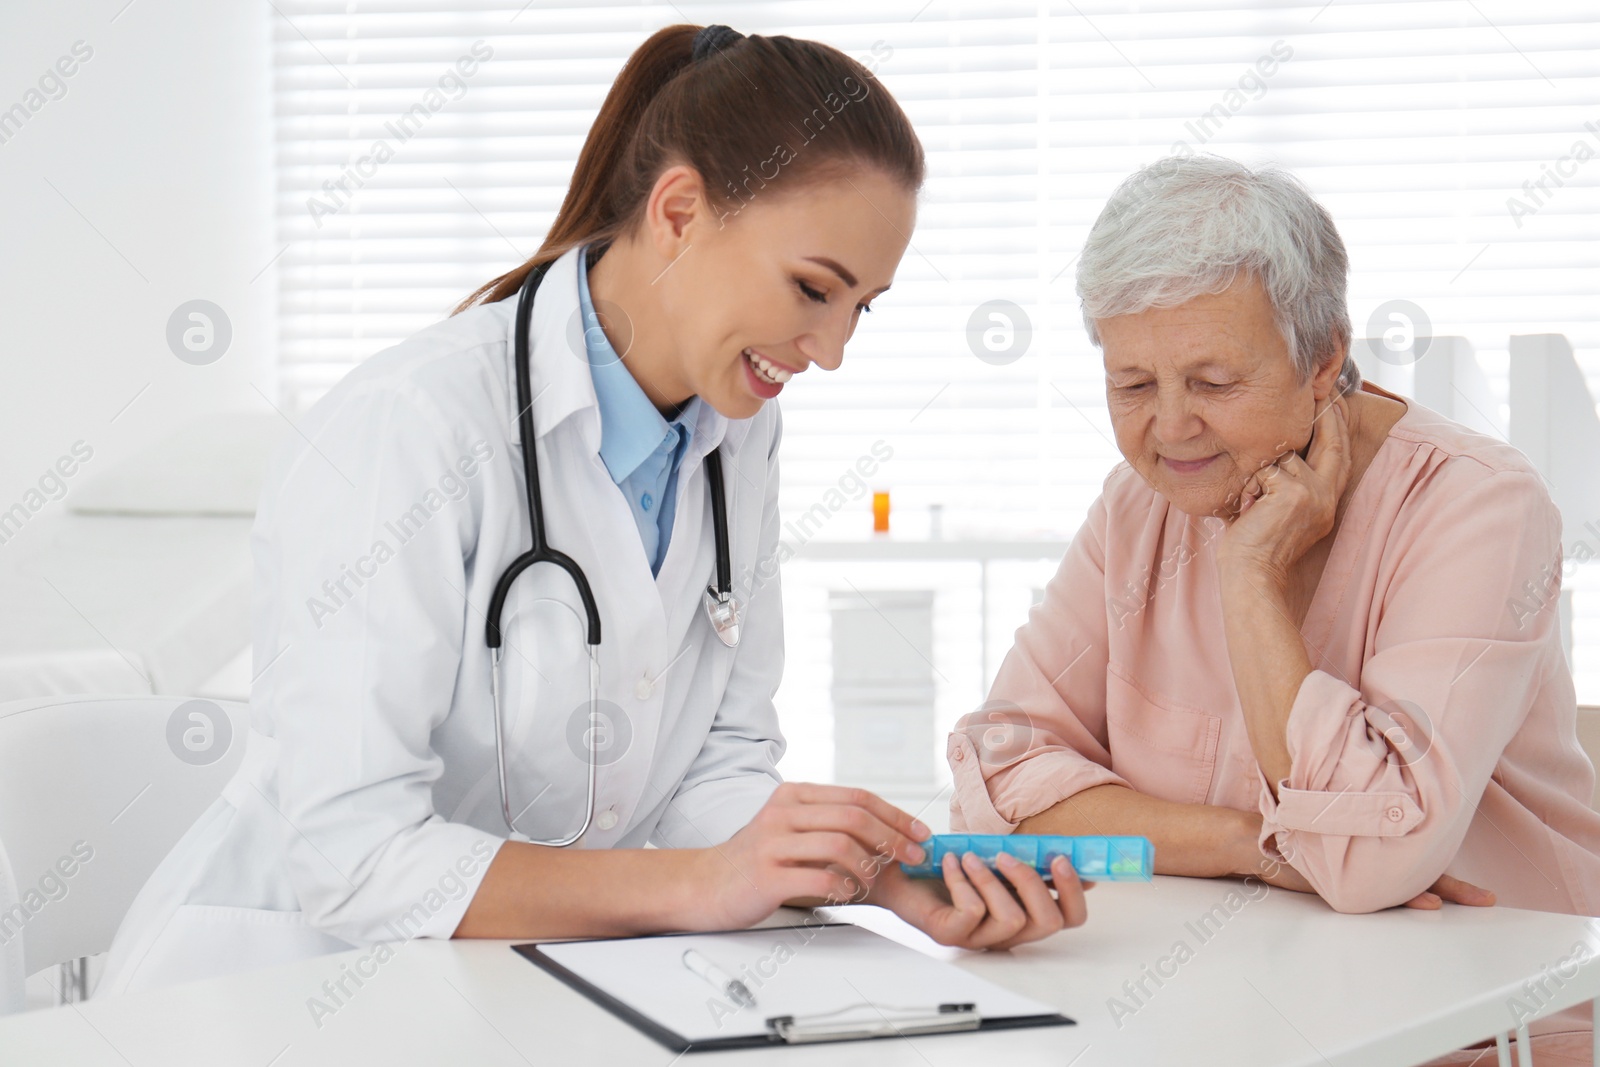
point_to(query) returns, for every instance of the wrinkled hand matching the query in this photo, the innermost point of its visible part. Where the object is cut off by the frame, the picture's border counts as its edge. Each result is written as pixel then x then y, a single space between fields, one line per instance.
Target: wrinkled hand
pixel 1447 888
pixel 973 908
pixel 1290 504
pixel 1453 890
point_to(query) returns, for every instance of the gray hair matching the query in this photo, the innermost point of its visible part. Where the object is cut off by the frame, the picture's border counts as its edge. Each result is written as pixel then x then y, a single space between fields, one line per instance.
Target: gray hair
pixel 1186 226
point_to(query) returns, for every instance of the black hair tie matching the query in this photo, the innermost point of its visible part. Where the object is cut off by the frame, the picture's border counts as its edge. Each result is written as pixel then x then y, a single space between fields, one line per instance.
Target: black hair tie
pixel 713 39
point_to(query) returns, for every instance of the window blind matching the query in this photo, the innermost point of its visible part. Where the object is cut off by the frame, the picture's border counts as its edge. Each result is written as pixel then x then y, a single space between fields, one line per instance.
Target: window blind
pixel 1452 141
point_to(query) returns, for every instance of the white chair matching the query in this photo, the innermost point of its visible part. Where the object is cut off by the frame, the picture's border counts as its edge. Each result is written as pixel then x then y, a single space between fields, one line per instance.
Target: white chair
pixel 94 792
pixel 1450 380
pixel 1553 422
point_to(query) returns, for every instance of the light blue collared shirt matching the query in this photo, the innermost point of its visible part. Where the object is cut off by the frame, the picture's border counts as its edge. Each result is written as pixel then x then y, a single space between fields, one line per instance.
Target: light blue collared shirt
pixel 641 450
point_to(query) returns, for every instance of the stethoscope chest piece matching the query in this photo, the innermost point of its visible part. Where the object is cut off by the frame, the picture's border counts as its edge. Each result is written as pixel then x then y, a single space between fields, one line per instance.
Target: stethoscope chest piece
pixel 723 611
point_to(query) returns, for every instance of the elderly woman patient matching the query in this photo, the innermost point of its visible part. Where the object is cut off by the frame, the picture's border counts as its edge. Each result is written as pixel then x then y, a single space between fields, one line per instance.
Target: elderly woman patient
pixel 1295 637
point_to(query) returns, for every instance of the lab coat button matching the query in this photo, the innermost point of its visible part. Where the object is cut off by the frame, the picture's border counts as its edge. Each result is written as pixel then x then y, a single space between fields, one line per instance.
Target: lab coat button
pixel 1395 814
pixel 643 689
pixel 606 819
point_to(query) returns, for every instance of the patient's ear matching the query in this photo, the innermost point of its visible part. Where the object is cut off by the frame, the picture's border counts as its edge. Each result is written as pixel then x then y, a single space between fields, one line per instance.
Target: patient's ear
pixel 1325 383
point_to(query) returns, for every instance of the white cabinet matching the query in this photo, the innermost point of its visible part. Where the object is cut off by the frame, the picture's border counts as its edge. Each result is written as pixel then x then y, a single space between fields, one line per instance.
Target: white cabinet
pixel 883 687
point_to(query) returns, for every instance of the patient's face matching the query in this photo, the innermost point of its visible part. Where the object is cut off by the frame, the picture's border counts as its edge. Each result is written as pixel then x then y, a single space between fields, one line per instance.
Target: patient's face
pixel 1204 394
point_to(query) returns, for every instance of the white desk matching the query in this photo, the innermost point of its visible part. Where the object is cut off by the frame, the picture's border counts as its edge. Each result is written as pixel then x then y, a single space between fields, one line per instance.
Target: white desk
pixel 1283 981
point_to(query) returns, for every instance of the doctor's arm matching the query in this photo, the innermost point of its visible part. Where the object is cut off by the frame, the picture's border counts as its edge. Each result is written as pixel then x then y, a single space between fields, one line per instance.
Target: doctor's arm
pixel 800 845
pixel 971 907
pixel 737 843
pixel 741 843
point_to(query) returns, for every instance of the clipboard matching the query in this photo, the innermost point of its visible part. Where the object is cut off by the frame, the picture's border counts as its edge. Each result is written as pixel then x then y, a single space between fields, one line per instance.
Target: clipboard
pixel 817 982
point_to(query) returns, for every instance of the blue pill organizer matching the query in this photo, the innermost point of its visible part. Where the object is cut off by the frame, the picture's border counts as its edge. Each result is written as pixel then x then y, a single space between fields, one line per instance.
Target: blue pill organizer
pixel 1096 859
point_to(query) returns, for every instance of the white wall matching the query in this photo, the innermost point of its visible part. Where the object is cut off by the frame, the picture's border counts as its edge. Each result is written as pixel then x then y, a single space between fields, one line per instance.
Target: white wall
pixel 146 184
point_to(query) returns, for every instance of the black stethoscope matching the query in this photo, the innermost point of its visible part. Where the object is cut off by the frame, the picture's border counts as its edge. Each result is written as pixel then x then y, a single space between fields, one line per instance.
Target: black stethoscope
pixel 721 608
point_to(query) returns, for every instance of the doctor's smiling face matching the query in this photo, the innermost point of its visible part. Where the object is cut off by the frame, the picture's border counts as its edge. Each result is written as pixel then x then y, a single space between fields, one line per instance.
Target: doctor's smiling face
pixel 728 303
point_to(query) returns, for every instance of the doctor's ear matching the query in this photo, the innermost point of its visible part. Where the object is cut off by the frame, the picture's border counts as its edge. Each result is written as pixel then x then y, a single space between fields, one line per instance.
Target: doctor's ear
pixel 677 204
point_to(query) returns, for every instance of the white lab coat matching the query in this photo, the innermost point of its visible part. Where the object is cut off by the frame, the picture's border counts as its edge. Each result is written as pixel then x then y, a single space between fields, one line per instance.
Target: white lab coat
pixel 367 808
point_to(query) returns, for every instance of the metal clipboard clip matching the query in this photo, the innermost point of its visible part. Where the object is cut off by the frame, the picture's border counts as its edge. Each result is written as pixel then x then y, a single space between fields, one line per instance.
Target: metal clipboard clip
pixel 874 1021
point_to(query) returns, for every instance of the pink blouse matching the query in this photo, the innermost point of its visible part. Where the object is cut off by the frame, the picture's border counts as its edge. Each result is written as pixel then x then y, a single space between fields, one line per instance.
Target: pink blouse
pixel 1435 733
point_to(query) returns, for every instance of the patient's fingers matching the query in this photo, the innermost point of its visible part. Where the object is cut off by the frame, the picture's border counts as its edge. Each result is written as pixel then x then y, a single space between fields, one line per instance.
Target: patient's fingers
pixel 1458 892
pixel 1070 888
pixel 1424 901
pixel 963 898
pixel 1007 918
pixel 1044 910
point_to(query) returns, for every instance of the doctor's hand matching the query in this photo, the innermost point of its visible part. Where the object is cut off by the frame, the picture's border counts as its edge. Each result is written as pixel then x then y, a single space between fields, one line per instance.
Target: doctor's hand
pixel 810 844
pixel 973 908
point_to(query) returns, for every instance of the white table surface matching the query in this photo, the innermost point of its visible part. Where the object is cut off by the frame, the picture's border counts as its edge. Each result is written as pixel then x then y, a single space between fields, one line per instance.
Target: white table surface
pixel 1284 981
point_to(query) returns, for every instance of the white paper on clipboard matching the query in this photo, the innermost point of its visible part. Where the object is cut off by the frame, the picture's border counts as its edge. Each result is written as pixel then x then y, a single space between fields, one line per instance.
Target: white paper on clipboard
pixel 799 971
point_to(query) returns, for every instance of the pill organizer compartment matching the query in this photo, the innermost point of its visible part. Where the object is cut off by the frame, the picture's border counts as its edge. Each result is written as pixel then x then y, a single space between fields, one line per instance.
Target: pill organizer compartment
pixel 1100 859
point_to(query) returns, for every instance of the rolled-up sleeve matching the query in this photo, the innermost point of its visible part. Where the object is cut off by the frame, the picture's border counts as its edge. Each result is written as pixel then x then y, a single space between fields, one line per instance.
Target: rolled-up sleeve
pixel 364 626
pixel 736 770
pixel 1041 735
pixel 1387 769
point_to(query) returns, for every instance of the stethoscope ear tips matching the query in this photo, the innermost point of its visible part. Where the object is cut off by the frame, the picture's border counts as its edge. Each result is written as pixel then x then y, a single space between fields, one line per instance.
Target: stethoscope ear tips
pixel 723 611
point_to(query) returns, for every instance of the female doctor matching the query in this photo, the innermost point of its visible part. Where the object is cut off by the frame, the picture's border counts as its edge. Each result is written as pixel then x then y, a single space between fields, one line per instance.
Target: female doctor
pixel 736 207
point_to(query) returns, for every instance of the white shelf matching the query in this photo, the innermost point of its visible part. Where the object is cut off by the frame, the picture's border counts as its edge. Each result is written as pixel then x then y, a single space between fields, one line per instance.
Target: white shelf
pixel 889 548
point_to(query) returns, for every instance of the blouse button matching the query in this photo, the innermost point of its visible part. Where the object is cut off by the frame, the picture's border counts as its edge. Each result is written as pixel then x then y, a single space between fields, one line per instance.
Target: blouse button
pixel 606 819
pixel 646 501
pixel 1395 814
pixel 961 754
pixel 642 688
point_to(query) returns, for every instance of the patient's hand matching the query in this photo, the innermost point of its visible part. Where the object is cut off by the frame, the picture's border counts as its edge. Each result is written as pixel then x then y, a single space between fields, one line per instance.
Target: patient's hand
pixel 1291 504
pixel 1455 891
pixel 975 908
pixel 1446 888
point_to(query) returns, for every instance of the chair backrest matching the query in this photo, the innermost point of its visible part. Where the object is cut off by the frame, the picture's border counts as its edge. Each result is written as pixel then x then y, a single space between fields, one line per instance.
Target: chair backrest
pixel 94 792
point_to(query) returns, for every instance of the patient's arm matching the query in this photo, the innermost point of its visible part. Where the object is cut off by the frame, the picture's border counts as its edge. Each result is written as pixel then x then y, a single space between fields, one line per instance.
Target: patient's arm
pixel 1203 841
pixel 1198 840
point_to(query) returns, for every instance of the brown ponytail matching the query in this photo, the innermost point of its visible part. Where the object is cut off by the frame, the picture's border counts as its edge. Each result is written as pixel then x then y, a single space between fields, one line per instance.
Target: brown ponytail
pixel 758 104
